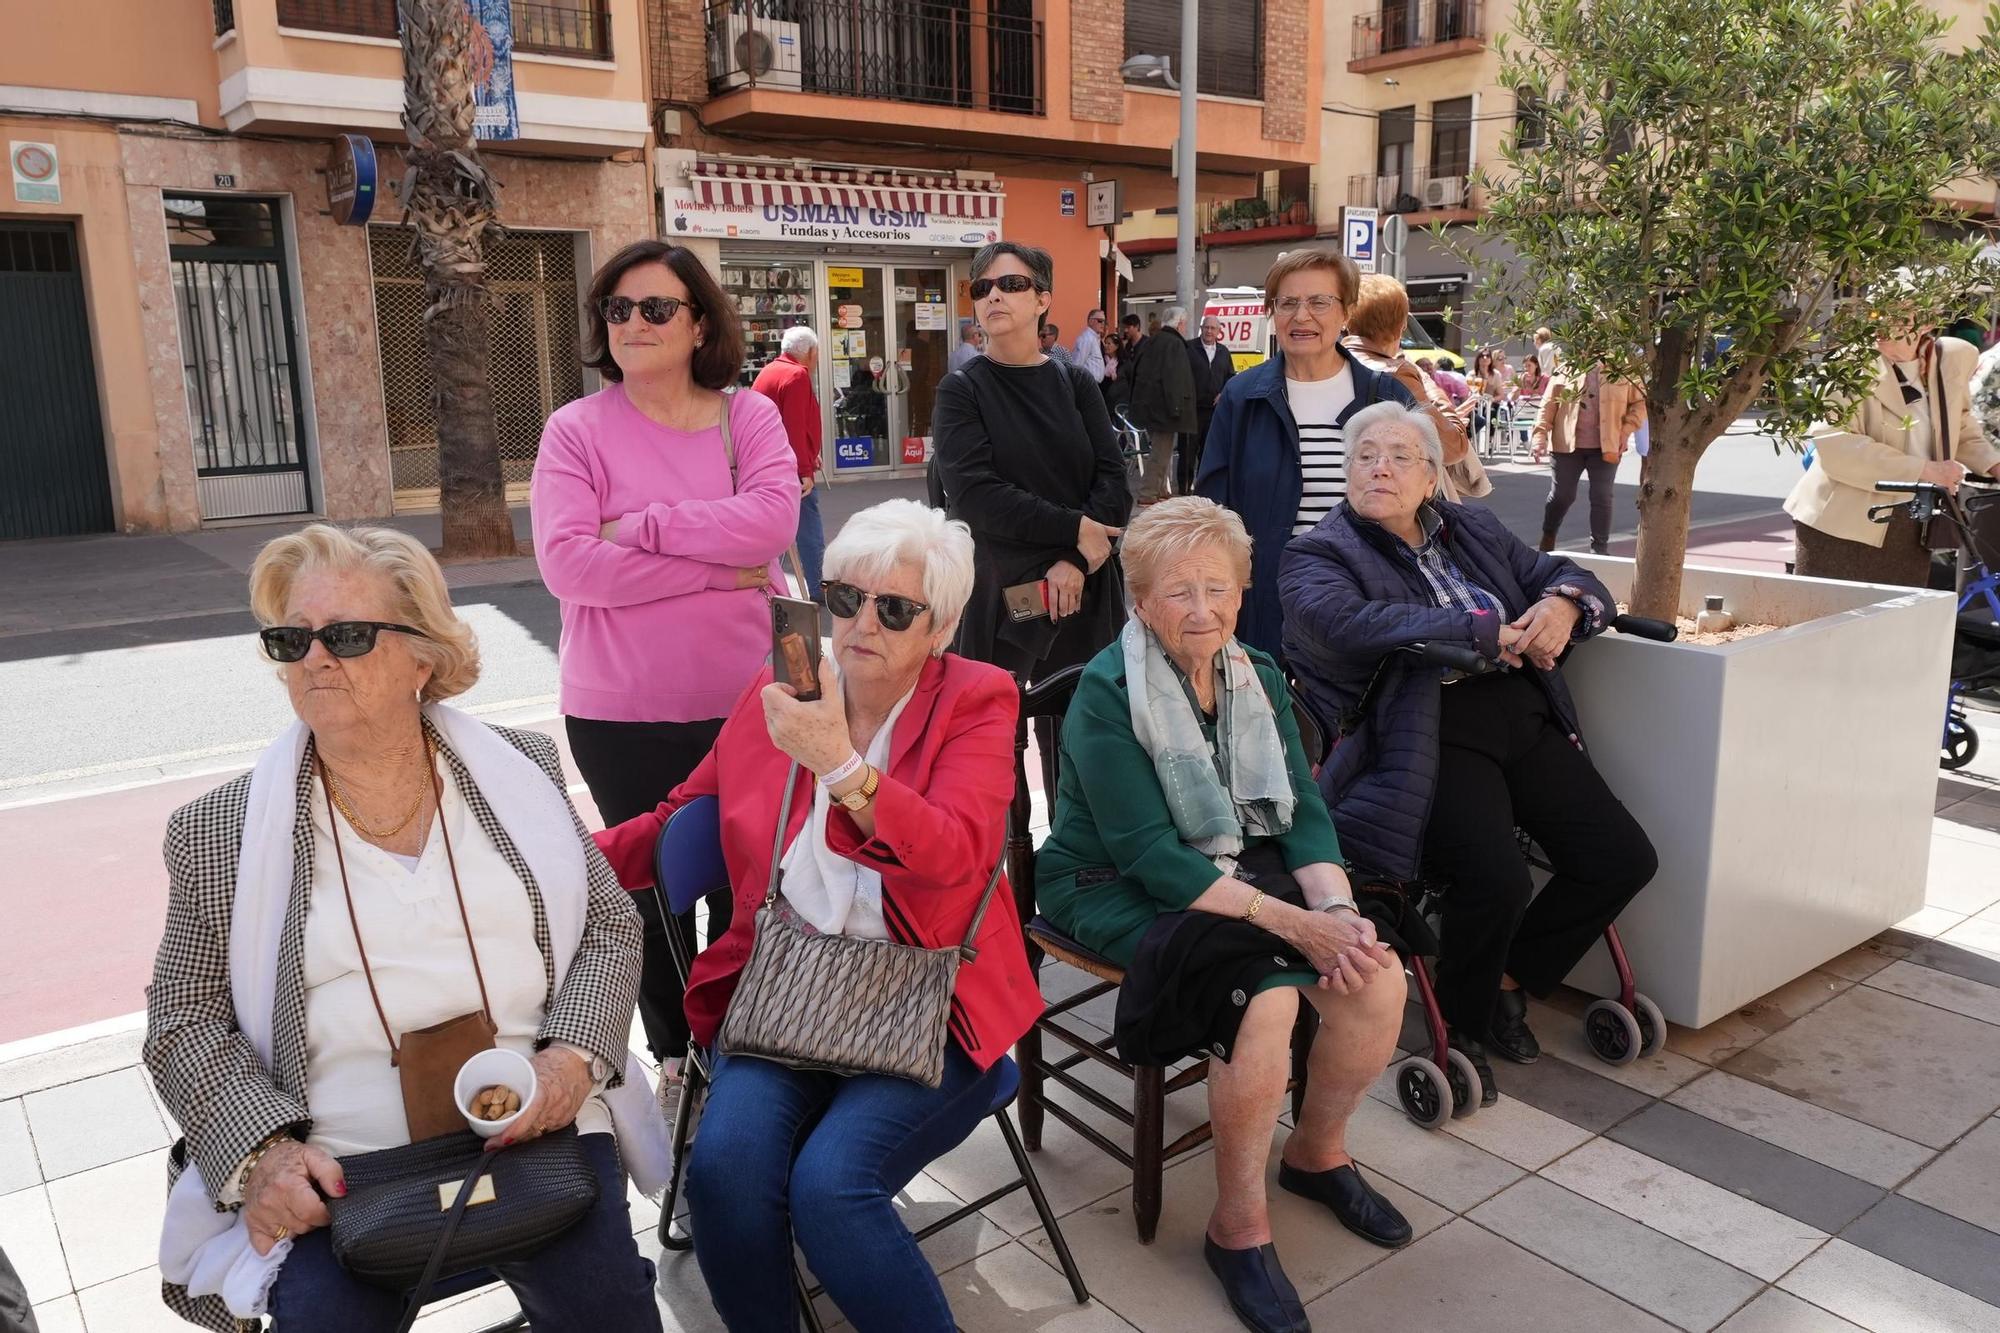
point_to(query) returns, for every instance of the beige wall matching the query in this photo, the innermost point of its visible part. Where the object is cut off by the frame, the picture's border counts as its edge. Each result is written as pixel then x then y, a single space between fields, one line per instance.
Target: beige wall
pixel 152 48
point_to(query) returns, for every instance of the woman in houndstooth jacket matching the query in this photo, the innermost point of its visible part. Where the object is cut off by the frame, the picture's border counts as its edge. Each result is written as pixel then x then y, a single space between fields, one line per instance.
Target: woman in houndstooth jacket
pixel 390 863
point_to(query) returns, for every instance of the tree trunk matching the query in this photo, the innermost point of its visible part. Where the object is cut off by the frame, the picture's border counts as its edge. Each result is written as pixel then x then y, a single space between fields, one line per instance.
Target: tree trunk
pixel 449 198
pixel 1666 493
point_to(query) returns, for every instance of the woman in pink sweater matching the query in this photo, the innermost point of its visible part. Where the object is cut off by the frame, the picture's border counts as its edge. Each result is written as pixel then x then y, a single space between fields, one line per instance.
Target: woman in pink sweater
pixel 660 506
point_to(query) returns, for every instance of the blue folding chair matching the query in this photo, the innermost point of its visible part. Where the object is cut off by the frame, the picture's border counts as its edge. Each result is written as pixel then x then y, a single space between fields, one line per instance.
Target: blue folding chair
pixel 687 865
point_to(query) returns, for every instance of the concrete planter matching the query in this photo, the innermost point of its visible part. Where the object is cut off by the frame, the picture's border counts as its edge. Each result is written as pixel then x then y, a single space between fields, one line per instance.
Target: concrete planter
pixel 1787 780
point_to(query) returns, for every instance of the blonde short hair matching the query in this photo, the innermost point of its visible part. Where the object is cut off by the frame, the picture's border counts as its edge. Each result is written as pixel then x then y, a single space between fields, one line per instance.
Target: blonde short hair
pixel 1174 529
pixel 1382 310
pixel 880 537
pixel 417 592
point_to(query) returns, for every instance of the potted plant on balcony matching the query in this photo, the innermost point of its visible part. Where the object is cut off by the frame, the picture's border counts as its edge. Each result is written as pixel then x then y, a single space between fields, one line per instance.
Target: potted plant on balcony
pixel 1722 199
pixel 1254 212
pixel 1292 212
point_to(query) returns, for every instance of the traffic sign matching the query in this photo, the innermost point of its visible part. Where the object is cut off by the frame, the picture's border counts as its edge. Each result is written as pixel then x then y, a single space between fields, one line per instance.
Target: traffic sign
pixel 1395 245
pixel 1359 236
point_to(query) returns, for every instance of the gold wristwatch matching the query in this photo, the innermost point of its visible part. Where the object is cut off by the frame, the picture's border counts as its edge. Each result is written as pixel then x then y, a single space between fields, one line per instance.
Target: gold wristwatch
pixel 859 798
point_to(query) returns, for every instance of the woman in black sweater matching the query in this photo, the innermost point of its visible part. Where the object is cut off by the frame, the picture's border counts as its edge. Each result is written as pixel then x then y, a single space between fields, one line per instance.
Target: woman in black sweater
pixel 1025 455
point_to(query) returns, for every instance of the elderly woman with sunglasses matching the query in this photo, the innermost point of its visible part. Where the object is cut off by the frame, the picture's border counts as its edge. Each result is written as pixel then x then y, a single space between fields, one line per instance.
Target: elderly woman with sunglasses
pixel 1027 459
pixel 394 887
pixel 660 507
pixel 901 774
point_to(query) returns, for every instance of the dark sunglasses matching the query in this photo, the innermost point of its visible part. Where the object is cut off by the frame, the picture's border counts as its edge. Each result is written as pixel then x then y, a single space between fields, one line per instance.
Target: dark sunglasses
pixel 343 638
pixel 896 613
pixel 656 309
pixel 1011 283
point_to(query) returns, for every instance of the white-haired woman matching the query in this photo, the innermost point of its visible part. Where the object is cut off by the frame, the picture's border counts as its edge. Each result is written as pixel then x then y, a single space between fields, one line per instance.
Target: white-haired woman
pixel 788 380
pixel 901 775
pixel 1189 845
pixel 395 884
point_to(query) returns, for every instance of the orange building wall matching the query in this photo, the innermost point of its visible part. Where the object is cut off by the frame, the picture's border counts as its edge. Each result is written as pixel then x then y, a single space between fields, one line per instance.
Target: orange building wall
pixel 1034 215
pixel 152 48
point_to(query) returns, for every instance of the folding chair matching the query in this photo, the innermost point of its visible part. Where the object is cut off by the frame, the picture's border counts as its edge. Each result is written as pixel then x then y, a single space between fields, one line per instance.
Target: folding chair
pixel 688 863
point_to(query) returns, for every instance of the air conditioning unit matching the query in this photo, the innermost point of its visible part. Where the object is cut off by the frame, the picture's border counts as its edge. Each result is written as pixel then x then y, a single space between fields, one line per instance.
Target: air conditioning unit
pixel 1444 192
pixel 763 52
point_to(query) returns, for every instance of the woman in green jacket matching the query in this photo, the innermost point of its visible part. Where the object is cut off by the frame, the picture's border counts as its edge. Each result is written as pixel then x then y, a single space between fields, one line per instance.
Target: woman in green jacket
pixel 1189 844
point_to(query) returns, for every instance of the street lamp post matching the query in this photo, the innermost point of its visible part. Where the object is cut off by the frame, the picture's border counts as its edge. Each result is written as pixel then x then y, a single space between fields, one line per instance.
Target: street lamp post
pixel 1188 292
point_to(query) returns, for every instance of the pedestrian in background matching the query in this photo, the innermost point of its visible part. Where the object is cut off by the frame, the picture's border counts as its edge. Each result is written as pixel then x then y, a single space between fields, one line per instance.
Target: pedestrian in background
pixel 968 344
pixel 1131 337
pixel 788 382
pixel 1052 347
pixel 1025 456
pixel 1547 352
pixel 1089 352
pixel 1375 325
pixel 1585 425
pixel 660 507
pixel 1163 401
pixel 1212 364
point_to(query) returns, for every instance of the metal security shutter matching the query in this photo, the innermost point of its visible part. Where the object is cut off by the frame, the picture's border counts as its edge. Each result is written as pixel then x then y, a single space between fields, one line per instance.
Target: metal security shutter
pixel 1231 60
pixel 535 366
pixel 54 481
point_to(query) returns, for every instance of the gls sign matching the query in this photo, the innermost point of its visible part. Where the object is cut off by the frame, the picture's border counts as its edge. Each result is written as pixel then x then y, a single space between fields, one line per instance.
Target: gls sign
pixel 854 451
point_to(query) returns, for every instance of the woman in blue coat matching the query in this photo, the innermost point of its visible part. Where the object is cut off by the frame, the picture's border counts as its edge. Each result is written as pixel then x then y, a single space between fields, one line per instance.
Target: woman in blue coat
pixel 1276 451
pixel 1440 772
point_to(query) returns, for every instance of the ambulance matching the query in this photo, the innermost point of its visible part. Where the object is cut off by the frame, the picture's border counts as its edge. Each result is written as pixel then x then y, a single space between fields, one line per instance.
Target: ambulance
pixel 1246 327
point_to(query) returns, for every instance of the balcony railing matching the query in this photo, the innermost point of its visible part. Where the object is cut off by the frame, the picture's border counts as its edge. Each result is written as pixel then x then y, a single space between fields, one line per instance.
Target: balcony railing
pixel 893 50
pixel 1412 191
pixel 1412 25
pixel 577 29
pixel 1258 212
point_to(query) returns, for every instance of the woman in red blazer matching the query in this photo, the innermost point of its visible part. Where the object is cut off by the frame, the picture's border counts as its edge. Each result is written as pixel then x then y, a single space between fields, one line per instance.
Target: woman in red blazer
pixel 906 769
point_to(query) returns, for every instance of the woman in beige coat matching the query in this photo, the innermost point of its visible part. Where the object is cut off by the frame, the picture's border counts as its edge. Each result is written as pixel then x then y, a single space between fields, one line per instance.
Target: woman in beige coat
pixel 1915 424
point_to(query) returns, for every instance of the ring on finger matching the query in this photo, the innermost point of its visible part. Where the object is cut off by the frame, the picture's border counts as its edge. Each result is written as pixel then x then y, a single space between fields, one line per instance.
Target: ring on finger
pixel 279 1232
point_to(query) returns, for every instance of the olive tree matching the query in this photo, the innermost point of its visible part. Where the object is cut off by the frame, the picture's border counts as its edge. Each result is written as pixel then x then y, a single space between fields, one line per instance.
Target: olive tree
pixel 1726 200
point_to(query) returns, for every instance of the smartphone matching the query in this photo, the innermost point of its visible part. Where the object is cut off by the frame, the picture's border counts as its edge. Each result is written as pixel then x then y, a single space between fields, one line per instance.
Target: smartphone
pixel 1026 601
pixel 795 645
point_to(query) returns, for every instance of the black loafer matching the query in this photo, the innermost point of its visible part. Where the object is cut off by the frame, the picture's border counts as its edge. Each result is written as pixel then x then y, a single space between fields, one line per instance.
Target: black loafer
pixel 1489 1090
pixel 1257 1288
pixel 1508 1033
pixel 1352 1199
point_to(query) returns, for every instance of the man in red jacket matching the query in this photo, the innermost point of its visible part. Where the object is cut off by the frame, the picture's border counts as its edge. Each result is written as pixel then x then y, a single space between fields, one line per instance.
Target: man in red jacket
pixel 788 382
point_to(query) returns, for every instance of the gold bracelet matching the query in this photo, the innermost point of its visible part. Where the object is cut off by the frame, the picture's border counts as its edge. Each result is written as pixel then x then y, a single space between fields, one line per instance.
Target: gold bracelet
pixel 1256 901
pixel 257 1155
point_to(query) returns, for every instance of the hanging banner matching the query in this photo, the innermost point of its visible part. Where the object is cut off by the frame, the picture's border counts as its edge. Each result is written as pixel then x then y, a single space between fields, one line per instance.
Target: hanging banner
pixel 496 114
pixel 822 223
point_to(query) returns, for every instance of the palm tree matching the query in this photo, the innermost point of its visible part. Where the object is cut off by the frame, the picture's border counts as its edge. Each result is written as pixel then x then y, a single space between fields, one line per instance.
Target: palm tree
pixel 449 198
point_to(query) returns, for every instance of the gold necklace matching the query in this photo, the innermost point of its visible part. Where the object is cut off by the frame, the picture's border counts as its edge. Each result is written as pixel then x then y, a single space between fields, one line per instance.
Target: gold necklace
pixel 375 835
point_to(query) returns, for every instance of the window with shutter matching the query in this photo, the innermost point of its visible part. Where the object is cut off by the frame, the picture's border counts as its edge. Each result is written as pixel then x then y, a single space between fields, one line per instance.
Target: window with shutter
pixel 1231 39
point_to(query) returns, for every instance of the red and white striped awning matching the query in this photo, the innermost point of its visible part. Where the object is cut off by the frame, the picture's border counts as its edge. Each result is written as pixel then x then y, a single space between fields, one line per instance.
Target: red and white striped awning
pixel 754 184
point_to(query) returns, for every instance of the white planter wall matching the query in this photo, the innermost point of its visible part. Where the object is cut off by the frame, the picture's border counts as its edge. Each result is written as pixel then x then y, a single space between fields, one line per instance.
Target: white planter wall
pixel 1787 780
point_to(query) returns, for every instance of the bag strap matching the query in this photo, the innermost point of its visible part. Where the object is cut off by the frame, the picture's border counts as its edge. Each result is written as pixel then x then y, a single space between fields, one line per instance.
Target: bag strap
pixel 436 1262
pixel 728 440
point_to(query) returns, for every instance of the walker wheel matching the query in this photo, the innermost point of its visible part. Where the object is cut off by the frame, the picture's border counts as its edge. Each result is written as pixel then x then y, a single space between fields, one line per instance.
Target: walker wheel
pixel 1463 1076
pixel 1612 1032
pixel 1961 743
pixel 1652 1026
pixel 1423 1091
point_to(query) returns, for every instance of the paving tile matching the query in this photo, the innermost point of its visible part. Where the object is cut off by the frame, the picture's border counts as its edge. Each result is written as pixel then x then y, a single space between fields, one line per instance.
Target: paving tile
pixel 1464 1276
pixel 1737 1032
pixel 1743 1234
pixel 1983 831
pixel 130 1304
pixel 61 1316
pixel 93 1121
pixel 1796 1186
pixel 683 1296
pixel 1824 1136
pixel 1963 876
pixel 109 1217
pixel 1884 1297
pixel 1562 1037
pixel 1568 1091
pixel 1929 922
pixel 1865 960
pixel 1936 1244
pixel 1906 1067
pixel 1009 1288
pixel 1781 1312
pixel 1980 934
pixel 1437 1166
pixel 1519 1133
pixel 924 1201
pixel 1942 989
pixel 1965 1182
pixel 1166 1285
pixel 1956 961
pixel 34 1247
pixel 1655 1272
pixel 1968 817
pixel 18 1168
pixel 1072 1171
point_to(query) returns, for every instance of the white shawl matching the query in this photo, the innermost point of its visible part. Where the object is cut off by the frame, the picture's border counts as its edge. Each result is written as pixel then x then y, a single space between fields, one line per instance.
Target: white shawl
pixel 209 1252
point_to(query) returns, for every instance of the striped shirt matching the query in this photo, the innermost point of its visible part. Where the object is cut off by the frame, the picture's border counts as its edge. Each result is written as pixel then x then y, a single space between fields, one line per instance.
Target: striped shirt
pixel 1317 406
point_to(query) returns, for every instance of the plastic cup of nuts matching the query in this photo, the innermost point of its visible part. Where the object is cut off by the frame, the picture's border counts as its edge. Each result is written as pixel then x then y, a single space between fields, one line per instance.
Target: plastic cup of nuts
pixel 491 1089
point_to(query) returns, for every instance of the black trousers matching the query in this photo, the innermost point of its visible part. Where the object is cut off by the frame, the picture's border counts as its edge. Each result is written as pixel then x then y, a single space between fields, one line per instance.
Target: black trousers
pixel 630 767
pixel 1569 469
pixel 1503 762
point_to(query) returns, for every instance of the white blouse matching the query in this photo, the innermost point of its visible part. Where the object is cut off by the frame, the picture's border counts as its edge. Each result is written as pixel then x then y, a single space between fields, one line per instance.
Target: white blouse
pixel 423 970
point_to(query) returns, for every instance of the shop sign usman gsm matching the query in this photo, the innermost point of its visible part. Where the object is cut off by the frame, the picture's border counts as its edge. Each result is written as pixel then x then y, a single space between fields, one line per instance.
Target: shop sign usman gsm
pixel 825 224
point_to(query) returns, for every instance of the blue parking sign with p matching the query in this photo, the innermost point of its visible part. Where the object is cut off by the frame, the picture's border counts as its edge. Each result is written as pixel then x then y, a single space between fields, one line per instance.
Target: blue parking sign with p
pixel 1359 231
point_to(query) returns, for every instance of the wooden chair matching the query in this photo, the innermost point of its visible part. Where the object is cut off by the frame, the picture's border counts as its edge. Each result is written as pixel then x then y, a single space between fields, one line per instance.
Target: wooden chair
pixel 1043 706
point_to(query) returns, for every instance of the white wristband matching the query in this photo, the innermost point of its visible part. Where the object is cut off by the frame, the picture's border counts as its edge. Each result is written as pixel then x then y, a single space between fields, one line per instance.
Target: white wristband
pixel 844 772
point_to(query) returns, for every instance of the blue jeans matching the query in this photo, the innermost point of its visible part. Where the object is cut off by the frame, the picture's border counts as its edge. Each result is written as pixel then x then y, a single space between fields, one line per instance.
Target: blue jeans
pixel 785 1154
pixel 588 1280
pixel 812 542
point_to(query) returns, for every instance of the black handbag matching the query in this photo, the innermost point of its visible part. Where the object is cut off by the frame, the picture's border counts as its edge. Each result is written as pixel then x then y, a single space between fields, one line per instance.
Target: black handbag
pixel 446 1206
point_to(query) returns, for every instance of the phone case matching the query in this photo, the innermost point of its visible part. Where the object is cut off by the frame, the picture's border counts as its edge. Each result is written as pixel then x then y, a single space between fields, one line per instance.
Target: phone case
pixel 1026 601
pixel 793 656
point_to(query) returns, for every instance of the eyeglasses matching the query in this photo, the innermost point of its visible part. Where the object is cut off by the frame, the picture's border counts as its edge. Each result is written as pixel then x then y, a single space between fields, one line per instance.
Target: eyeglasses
pixel 1011 283
pixel 896 613
pixel 1321 305
pixel 343 638
pixel 656 309
pixel 1400 460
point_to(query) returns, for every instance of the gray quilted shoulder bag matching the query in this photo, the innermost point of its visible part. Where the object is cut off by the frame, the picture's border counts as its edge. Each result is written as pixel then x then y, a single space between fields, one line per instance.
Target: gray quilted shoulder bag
pixel 840 1004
